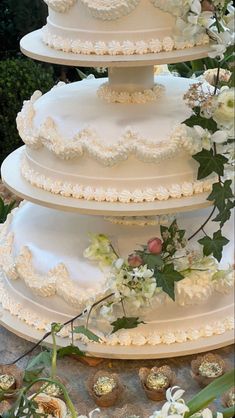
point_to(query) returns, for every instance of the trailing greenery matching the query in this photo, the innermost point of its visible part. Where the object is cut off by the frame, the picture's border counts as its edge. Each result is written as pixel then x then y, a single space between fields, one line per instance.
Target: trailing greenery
pixel 19 78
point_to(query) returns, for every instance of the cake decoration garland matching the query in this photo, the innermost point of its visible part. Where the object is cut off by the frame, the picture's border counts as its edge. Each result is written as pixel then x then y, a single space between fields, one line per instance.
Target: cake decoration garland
pixel 87 141
pixel 60 6
pixel 106 93
pixel 110 9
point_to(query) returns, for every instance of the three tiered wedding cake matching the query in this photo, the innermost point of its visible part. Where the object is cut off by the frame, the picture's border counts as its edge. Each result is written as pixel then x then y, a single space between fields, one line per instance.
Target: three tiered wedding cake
pixel 121 140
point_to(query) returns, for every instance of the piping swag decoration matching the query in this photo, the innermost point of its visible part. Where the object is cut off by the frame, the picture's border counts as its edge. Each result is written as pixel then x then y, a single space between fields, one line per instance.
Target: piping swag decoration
pixel 110 9
pixel 60 6
pixel 87 141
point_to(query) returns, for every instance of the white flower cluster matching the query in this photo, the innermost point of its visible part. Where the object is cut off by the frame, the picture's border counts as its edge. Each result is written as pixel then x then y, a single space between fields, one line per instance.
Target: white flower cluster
pixel 101 250
pixel 175 406
pixel 220 108
pixel 137 285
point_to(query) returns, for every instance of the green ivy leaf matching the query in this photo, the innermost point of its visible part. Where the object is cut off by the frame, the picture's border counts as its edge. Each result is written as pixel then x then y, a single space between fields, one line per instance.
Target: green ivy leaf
pixel 224 214
pixel 220 193
pixel 70 350
pixel 166 279
pixel 152 260
pixel 89 334
pixel 214 245
pixel 126 323
pixel 210 163
pixel 205 123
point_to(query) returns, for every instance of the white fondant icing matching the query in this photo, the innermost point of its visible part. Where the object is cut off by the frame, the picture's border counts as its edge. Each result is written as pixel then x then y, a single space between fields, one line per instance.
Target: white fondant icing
pixel 83 147
pixel 39 321
pixel 80 191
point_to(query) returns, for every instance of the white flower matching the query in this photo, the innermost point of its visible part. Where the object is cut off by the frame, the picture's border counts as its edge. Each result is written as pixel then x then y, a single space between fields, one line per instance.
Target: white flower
pixel 100 250
pixel 223 40
pixel 223 113
pixel 174 407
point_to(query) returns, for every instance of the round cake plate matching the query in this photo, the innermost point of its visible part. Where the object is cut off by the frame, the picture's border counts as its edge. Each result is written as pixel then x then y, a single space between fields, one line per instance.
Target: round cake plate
pixel 29 333
pixel 33 46
pixel 14 181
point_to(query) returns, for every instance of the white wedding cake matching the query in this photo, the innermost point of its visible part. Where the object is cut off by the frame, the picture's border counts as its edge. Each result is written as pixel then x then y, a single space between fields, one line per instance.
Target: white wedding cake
pixel 121 142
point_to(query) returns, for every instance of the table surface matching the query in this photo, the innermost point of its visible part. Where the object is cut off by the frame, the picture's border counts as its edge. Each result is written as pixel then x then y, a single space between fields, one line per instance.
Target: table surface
pixel 133 399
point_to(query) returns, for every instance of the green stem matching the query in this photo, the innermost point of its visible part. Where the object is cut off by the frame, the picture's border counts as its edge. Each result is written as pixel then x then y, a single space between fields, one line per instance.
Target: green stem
pixel 113 249
pixel 203 225
pixel 54 356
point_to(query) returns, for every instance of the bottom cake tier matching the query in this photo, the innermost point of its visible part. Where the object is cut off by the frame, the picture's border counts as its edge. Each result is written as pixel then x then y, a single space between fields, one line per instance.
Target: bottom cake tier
pixel 47 276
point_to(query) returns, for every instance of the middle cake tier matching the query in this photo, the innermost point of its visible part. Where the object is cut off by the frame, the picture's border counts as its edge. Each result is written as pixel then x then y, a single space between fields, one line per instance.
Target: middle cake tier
pixel 90 141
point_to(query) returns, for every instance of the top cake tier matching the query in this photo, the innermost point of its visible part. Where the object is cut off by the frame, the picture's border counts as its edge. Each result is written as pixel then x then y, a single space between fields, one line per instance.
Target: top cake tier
pixel 121 27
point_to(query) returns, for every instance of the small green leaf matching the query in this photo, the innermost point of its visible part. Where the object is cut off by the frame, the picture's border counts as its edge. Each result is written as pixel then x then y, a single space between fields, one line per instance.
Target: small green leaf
pixel 166 279
pixel 214 245
pixel 225 214
pixel 126 323
pixel 42 359
pixel 210 163
pixel 152 260
pixel 205 123
pixel 89 334
pixel 220 193
pixel 69 350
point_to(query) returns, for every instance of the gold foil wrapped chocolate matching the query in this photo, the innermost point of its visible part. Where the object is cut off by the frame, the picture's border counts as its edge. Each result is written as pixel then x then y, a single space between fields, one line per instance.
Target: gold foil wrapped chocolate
pixel 156 381
pixel 11 379
pixel 105 388
pixel 207 368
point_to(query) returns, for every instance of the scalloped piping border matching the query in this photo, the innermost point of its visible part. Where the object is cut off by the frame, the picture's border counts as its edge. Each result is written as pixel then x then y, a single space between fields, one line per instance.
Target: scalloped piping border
pixel 125 338
pixel 86 141
pixel 108 95
pixel 79 191
pixel 152 46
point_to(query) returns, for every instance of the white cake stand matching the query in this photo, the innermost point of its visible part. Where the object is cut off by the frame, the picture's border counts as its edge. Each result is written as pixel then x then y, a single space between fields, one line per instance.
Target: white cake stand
pixel 33 46
pixel 14 181
pixel 118 352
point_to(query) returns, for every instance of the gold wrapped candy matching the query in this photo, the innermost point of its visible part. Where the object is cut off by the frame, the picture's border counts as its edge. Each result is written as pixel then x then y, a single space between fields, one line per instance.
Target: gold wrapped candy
pixel 7 382
pixel 207 368
pixel 156 381
pixel 104 385
pixel 105 388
